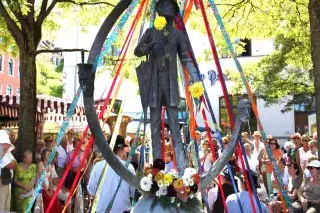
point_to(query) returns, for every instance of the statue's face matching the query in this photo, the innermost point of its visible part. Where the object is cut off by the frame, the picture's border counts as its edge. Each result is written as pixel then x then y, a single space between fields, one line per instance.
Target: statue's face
pixel 166 9
pixel 244 109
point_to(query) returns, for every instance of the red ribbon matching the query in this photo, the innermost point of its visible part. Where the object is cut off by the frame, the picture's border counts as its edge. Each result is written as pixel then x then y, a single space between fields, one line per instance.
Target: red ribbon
pixel 225 92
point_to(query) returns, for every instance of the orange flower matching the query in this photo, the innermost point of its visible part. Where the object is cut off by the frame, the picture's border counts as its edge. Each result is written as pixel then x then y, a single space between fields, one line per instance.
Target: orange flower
pixel 178 185
pixel 147 171
pixel 158 177
pixel 196 178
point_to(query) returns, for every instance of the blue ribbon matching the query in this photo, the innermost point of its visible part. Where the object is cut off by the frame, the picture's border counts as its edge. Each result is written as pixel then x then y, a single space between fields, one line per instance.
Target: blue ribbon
pixel 61 134
pixel 114 34
pixel 269 152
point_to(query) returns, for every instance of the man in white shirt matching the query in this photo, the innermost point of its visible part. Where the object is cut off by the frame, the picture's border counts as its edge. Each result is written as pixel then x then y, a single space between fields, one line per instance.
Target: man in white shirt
pixel 62 156
pixel 122 202
pixel 7 165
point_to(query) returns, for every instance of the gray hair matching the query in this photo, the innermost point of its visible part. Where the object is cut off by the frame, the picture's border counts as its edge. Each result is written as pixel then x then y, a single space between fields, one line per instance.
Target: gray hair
pixel 288 144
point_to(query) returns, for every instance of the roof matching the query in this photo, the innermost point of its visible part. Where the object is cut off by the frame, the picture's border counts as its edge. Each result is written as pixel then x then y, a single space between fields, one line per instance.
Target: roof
pixel 9 105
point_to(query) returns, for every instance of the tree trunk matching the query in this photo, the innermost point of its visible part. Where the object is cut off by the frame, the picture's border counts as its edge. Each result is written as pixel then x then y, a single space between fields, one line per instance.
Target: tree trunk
pixel 314 14
pixel 28 104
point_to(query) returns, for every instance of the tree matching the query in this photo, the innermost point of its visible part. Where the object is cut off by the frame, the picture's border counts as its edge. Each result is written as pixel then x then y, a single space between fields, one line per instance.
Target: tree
pixel 293 69
pixel 23 24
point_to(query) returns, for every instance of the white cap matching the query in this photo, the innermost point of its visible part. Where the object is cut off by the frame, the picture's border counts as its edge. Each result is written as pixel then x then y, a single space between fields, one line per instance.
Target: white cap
pixel 314 163
pixel 4 139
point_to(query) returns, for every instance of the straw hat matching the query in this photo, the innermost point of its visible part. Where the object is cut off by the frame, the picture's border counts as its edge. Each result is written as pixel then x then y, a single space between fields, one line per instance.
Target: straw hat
pixel 4 139
pixel 256 133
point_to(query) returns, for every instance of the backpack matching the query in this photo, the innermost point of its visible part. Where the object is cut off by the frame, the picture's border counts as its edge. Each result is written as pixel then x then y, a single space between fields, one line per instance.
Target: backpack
pixel 6 176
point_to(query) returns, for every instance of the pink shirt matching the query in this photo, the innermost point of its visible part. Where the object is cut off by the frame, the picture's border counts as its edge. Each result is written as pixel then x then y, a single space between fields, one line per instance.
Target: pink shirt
pixel 77 160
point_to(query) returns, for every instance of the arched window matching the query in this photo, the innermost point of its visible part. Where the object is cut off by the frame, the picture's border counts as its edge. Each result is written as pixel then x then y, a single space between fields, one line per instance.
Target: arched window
pixel 10 67
pixel 18 91
pixel 9 90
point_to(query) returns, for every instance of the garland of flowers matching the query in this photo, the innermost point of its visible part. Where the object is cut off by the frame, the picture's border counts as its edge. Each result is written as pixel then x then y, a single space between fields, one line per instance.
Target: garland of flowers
pixel 169 186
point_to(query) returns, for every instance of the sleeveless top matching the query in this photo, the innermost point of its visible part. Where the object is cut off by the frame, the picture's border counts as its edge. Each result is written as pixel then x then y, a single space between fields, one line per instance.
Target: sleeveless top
pixel 310 192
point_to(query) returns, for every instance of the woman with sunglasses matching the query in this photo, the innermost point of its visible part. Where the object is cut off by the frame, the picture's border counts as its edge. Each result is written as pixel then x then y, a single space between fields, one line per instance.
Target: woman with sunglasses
pixel 277 154
pixel 295 180
pixel 70 136
pixel 309 192
pixel 313 149
pixel 293 152
pixel 303 151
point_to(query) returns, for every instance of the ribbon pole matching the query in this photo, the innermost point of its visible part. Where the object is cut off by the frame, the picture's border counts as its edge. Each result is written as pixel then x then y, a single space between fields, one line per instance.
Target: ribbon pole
pixel 251 98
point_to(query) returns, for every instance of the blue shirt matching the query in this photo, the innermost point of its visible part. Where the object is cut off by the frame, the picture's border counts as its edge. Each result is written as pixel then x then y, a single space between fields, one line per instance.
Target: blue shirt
pixel 233 206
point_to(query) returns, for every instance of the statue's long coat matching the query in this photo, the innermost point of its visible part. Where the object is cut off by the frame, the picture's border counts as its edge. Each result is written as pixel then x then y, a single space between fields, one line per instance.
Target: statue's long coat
pixel 177 44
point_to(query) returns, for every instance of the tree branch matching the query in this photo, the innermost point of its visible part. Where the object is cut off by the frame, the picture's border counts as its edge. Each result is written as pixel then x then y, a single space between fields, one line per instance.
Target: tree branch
pixel 86 3
pixel 12 26
pixel 17 13
pixel 59 51
pixel 45 12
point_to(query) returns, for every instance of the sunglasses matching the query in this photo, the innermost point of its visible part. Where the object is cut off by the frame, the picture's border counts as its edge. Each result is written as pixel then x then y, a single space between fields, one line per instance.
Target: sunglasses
pixel 312 167
pixel 49 141
pixel 295 138
pixel 273 143
pixel 305 140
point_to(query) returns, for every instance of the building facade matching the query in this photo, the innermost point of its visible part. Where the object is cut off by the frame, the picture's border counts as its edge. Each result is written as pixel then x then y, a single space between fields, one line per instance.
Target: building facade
pixel 9 75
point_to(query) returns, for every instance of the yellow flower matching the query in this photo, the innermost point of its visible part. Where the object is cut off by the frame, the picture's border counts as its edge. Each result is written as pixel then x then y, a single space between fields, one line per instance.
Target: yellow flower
pixel 178 185
pixel 158 177
pixel 160 22
pixel 167 178
pixel 196 90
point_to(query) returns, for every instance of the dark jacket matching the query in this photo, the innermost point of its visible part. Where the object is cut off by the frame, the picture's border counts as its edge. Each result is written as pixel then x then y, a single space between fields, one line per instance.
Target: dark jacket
pixel 153 44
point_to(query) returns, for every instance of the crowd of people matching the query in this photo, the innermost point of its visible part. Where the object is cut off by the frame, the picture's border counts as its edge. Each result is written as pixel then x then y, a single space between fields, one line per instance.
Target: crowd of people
pixel 297 162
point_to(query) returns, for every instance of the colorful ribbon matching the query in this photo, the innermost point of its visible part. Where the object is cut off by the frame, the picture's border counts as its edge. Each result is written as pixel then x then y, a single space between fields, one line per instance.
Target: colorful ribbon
pixel 181 26
pixel 61 134
pixel 114 34
pixel 251 97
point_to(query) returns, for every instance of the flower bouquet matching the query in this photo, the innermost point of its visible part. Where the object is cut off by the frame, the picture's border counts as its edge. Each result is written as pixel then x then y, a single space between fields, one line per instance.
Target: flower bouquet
pixel 168 188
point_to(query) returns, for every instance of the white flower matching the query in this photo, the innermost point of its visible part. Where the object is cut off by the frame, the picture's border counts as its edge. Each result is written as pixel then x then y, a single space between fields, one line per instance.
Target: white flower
pixel 162 191
pixel 178 204
pixel 161 183
pixel 189 172
pixel 146 184
pixel 191 195
pixel 173 199
pixel 174 174
pixel 149 176
pixel 186 180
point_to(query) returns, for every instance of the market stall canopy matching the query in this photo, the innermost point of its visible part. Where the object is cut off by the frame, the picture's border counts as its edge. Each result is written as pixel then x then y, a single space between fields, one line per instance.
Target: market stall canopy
pixel 9 106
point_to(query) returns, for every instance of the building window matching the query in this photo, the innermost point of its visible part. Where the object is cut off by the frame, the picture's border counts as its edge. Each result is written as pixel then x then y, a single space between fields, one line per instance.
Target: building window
pixel 9 90
pixel 1 63
pixel 18 91
pixel 225 123
pixel 10 67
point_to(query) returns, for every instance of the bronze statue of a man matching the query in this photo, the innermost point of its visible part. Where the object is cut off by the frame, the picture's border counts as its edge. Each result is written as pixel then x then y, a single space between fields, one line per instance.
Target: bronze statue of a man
pixel 162 48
